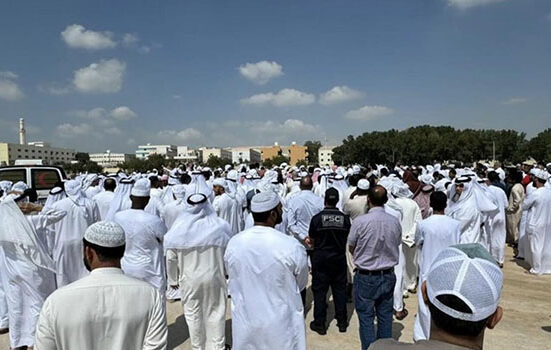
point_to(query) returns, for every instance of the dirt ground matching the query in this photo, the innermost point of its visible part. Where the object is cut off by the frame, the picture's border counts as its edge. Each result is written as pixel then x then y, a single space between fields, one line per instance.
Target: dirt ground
pixel 526 323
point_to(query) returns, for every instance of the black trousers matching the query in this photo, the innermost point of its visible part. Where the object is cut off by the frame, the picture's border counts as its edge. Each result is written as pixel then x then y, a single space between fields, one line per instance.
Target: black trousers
pixel 329 272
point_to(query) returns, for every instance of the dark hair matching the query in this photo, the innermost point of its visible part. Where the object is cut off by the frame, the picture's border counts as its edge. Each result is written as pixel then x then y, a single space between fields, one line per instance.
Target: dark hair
pixel 452 325
pixel 306 183
pixel 517 177
pixel 453 171
pixel 185 179
pixel 353 180
pixel 438 201
pixel 331 197
pixel 262 217
pixel 104 253
pixel 377 195
pixel 154 180
pixel 109 184
pixel 384 172
pixel 493 176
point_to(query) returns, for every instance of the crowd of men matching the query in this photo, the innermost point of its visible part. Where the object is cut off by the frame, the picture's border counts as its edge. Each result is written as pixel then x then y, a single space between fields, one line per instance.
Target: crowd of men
pixel 93 266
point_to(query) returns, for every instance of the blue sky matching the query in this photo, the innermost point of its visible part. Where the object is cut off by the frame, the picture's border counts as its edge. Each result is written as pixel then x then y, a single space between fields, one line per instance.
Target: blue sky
pixel 114 74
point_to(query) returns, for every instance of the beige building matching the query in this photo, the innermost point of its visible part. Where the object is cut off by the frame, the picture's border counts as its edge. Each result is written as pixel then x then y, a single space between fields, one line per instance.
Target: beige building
pixel 10 152
pixel 206 152
pixel 186 154
pixel 325 156
pixel 245 155
pixel 295 153
pixel 109 159
pixel 167 151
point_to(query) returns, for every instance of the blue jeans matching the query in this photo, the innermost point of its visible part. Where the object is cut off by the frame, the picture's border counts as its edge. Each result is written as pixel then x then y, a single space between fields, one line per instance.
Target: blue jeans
pixel 373 295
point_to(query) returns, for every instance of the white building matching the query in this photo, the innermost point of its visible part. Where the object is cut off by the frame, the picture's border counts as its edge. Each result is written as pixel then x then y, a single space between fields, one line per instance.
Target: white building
pixel 242 155
pixel 10 152
pixel 325 156
pixel 186 154
pixel 167 151
pixel 221 153
pixel 108 159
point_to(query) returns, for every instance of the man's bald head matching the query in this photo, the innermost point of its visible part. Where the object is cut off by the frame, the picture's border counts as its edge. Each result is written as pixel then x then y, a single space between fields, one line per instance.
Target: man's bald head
pixel 306 183
pixel 377 196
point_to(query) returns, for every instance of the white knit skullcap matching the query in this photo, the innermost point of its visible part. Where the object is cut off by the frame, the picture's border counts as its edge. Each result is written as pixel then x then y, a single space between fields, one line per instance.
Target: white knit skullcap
pixel 105 234
pixel 363 184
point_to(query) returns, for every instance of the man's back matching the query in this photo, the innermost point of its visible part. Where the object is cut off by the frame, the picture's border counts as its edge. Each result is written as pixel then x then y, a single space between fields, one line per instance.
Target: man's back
pixel 301 209
pixel 376 237
pixel 266 268
pixel 103 201
pixel 105 310
pixel 329 230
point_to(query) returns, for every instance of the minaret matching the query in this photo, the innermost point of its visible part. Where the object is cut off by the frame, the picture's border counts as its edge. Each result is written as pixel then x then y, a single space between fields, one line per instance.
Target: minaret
pixel 22 136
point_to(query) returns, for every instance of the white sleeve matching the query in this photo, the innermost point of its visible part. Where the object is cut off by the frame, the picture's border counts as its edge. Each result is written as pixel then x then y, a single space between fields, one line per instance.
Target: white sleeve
pixel 301 268
pixel 156 336
pixel 45 334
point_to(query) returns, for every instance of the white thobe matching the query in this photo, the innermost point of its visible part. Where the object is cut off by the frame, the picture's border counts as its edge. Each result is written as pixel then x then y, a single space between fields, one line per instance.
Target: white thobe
pixel 105 310
pixel 267 271
pixel 67 252
pixel 434 234
pixel 26 285
pixel 471 220
pixel 202 278
pixel 103 201
pixel 226 208
pixel 497 225
pixel 411 217
pixel 538 230
pixel 170 214
pixel 92 191
pixel 143 257
pixel 355 207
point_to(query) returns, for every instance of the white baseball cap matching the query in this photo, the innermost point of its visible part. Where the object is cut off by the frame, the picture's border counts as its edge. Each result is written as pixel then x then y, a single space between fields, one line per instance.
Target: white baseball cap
pixel 468 272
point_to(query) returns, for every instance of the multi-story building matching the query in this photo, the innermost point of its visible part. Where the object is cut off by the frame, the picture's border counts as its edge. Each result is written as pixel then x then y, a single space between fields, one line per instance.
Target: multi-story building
pixel 186 154
pixel 167 151
pixel 325 156
pixel 295 153
pixel 269 152
pixel 39 150
pixel 109 159
pixel 206 152
pixel 242 155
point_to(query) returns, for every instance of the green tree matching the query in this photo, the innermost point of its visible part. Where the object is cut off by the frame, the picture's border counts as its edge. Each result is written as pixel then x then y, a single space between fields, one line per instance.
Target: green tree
pixel 277 160
pixel 312 147
pixel 216 162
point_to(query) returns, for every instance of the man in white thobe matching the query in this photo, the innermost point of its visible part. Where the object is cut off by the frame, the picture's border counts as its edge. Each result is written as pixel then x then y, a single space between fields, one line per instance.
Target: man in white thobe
pixel 91 186
pixel 103 199
pixel 497 226
pixel 224 206
pixel 434 234
pixel 107 309
pixel 538 225
pixel 170 213
pixel 267 270
pixel 199 239
pixel 27 269
pixel 67 252
pixel 463 206
pixel 144 255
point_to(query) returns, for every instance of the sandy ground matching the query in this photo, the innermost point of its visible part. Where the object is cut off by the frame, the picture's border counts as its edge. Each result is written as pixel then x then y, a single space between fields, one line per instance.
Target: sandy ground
pixel 526 324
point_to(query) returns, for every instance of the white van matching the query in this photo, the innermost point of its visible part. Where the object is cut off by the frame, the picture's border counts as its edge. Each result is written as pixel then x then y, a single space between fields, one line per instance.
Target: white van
pixel 42 178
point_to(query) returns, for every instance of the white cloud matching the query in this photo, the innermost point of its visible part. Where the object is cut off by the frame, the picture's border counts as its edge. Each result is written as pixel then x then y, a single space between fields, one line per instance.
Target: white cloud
pixel 69 130
pixel 368 113
pixel 261 72
pixel 123 113
pixel 339 94
pixel 465 4
pixel 290 126
pixel 283 98
pixel 8 75
pixel 144 49
pixel 187 135
pixel 9 90
pixel 76 36
pixel 105 76
pixel 516 100
pixel 130 39
pixel 177 97
pixel 55 89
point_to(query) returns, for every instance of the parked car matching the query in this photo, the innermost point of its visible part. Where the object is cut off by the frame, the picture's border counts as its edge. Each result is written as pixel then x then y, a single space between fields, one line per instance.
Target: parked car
pixel 42 178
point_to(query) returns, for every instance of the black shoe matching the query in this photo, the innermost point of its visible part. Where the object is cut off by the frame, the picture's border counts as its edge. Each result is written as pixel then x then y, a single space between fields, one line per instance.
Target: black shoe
pixel 320 329
pixel 342 327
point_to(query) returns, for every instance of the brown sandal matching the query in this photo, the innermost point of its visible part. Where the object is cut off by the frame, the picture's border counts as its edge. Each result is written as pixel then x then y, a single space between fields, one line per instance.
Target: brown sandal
pixel 400 315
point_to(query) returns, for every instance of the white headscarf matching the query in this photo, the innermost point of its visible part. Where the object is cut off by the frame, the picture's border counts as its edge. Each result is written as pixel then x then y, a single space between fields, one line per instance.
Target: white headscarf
pixel 18 237
pixel 56 194
pixel 121 197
